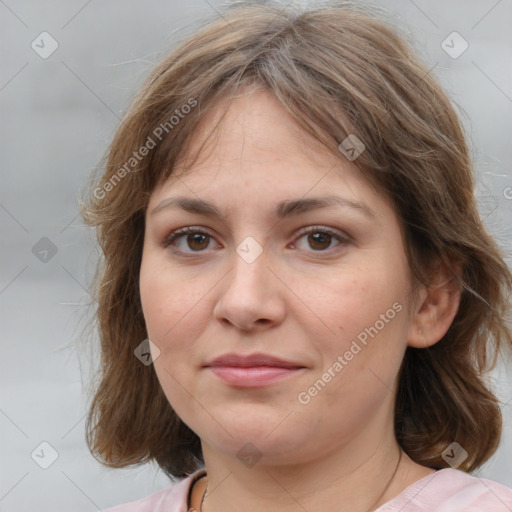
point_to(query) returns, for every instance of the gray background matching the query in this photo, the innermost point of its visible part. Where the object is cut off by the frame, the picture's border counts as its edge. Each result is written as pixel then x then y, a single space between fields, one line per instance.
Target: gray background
pixel 58 115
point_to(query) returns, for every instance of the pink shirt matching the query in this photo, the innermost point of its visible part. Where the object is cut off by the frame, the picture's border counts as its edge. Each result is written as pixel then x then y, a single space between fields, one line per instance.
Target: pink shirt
pixel 446 490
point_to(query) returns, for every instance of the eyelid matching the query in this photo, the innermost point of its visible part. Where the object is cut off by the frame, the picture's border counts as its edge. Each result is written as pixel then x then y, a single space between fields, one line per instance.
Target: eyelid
pixel 342 237
pixel 186 230
pixel 324 229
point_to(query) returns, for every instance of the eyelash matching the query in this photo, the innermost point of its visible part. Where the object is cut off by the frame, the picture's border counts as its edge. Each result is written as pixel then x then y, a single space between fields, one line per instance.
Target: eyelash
pixel 175 235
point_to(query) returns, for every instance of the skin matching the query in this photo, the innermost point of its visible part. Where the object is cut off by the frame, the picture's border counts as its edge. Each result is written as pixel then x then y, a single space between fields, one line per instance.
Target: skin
pixel 302 300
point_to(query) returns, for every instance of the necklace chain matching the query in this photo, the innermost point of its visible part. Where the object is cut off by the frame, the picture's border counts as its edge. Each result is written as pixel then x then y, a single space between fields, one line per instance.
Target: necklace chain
pixel 371 509
pixel 389 483
pixel 204 496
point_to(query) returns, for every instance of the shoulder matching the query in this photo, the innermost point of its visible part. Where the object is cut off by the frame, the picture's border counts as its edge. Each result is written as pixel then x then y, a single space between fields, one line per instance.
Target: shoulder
pixel 171 499
pixel 452 490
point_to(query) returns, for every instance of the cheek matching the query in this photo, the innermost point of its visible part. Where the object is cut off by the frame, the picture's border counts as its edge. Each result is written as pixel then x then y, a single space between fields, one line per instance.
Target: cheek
pixel 352 301
pixel 173 321
pixel 164 297
pixel 363 319
pixel 173 324
pixel 176 311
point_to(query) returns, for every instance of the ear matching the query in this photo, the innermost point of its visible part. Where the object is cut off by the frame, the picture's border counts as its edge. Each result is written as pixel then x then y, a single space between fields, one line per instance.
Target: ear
pixel 435 308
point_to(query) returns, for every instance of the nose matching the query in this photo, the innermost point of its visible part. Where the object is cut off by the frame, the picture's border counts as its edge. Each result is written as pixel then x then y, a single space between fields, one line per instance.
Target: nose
pixel 251 296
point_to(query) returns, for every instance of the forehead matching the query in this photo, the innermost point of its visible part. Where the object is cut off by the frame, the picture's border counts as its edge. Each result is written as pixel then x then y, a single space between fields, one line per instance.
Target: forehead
pixel 252 141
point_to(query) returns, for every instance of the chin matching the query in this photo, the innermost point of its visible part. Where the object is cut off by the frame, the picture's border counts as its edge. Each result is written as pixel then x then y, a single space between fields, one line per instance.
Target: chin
pixel 251 449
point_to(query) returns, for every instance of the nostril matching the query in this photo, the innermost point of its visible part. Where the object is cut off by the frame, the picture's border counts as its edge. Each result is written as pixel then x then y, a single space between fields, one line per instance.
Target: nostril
pixel 246 326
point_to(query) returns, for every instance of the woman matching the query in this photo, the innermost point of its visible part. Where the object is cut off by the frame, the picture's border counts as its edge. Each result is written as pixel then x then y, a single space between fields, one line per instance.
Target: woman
pixel 298 298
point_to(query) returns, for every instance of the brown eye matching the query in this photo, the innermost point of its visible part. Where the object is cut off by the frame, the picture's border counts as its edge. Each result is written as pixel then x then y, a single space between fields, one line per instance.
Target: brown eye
pixel 188 241
pixel 196 241
pixel 319 241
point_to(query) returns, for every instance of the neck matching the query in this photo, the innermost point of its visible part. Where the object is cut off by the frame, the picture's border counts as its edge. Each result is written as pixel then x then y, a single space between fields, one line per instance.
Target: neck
pixel 341 481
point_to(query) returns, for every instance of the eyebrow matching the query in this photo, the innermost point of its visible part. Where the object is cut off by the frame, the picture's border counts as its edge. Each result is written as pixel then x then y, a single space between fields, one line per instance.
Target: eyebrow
pixel 283 209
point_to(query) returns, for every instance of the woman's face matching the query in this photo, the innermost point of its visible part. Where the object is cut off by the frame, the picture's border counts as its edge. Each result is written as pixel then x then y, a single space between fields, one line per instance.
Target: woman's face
pixel 290 255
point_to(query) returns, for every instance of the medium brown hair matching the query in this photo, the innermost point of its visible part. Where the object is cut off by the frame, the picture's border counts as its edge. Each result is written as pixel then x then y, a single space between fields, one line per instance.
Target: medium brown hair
pixel 338 70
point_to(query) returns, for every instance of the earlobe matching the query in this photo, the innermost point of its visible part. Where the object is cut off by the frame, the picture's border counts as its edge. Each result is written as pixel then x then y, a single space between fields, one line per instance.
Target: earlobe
pixel 436 309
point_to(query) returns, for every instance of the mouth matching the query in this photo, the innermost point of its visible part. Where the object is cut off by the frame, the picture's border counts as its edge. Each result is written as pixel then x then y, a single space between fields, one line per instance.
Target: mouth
pixel 255 370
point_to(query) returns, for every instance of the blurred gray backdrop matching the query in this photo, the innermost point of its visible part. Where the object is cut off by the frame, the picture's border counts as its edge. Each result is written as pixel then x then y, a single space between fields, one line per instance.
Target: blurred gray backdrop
pixel 68 71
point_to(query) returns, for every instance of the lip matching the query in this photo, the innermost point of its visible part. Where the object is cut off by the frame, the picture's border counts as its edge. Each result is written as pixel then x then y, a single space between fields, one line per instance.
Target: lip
pixel 254 370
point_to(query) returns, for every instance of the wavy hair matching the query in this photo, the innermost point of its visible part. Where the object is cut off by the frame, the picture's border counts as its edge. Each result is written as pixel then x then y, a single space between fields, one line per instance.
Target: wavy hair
pixel 338 70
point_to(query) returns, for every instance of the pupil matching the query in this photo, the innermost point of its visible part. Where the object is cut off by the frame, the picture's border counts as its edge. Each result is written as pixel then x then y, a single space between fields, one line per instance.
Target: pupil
pixel 323 239
pixel 195 240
